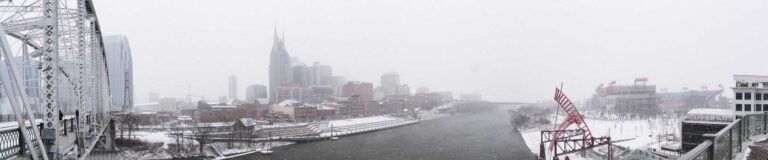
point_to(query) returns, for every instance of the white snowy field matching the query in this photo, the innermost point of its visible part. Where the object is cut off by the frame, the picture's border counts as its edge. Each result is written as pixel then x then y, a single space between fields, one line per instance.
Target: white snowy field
pixel 634 134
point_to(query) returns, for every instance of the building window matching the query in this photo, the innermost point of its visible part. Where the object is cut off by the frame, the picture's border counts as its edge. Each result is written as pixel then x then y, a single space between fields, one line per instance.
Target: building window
pixel 765 96
pixel 747 96
pixel 759 96
pixel 758 107
pixel 748 107
pixel 738 107
pixel 738 96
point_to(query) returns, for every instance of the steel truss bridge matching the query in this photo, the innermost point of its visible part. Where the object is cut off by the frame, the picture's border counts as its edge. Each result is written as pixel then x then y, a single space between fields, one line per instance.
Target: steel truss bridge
pixel 53 72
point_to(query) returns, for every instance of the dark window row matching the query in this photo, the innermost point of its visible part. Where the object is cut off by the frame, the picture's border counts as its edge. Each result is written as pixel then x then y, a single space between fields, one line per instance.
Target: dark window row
pixel 748 96
pixel 748 107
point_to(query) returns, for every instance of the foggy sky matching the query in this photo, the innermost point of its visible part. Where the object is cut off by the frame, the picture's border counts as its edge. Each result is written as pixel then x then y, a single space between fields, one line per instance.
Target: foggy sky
pixel 506 50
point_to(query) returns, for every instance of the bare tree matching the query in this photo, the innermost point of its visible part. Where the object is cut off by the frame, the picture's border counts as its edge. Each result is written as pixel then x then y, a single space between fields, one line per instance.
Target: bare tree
pixel 202 134
pixel 132 121
pixel 177 132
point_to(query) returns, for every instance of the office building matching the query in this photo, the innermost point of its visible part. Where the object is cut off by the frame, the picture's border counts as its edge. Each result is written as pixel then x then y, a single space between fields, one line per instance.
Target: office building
pixel 120 68
pixel 751 93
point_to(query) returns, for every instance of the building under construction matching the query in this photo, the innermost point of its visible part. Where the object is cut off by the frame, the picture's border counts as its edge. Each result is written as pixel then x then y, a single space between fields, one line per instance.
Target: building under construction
pixel 638 98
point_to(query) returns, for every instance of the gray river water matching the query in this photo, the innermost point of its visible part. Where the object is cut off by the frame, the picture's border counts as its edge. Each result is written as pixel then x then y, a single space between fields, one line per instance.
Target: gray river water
pixel 478 136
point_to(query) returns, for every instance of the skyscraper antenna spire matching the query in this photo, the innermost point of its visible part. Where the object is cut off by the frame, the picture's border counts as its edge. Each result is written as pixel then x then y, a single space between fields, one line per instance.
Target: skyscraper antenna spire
pixel 275 29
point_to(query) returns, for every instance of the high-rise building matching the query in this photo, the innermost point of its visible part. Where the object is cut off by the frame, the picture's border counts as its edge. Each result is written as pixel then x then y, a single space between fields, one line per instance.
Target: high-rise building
pixel 402 89
pixel 280 71
pixel 232 87
pixel 751 93
pixel 255 92
pixel 153 97
pixel 302 75
pixel 120 68
pixel 389 84
pixel 294 92
pixel 324 74
pixel 320 75
pixel 167 104
pixel 390 79
pixel 337 82
pixel 31 81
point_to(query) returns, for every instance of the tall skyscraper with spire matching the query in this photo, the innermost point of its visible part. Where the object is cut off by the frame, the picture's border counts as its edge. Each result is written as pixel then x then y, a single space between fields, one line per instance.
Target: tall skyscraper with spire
pixel 280 71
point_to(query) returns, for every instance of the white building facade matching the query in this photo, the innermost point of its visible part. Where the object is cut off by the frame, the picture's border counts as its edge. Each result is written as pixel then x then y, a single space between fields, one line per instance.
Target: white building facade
pixel 750 93
pixel 120 69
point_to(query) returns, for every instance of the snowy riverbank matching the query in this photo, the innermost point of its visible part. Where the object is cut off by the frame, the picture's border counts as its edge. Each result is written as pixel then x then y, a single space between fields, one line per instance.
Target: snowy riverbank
pixel 163 144
pixel 633 134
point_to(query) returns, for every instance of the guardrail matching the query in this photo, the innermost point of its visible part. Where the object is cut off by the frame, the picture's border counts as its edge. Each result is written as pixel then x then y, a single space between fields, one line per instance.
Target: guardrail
pixel 729 141
pixel 12 144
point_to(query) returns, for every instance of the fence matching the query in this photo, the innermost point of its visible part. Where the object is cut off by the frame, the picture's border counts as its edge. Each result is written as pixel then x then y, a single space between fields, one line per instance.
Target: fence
pixel 729 141
pixel 12 144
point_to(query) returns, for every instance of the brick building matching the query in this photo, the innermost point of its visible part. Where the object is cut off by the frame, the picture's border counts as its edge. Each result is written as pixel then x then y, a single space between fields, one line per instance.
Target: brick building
pixel 229 113
pixel 364 89
pixel 358 106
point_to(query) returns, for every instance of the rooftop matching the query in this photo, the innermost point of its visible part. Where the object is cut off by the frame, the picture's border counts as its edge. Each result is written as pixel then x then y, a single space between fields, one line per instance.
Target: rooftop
pixel 750 78
pixel 223 107
pixel 710 115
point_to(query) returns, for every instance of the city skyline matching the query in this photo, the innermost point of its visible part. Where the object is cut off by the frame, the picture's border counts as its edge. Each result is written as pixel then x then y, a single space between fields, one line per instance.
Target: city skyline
pixel 501 42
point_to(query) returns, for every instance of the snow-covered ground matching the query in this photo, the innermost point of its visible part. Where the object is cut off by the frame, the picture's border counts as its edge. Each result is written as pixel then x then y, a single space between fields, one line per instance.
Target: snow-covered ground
pixel 363 124
pixel 356 121
pixel 240 149
pixel 634 134
pixel 154 137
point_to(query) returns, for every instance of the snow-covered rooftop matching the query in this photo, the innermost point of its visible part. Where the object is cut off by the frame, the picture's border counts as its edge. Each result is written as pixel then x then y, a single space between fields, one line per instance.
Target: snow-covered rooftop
pixel 750 78
pixel 216 124
pixel 223 107
pixel 288 102
pixel 713 115
pixel 184 118
pixel 324 107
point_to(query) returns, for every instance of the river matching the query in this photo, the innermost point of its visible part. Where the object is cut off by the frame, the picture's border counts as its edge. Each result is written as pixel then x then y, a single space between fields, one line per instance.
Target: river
pixel 477 136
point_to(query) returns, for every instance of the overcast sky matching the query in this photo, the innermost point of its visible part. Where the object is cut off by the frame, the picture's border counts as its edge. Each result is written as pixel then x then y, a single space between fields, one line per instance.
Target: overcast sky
pixel 506 50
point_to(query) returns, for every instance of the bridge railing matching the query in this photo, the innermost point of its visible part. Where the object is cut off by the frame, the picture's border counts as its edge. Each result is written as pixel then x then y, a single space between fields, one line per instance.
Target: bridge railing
pixel 729 141
pixel 12 144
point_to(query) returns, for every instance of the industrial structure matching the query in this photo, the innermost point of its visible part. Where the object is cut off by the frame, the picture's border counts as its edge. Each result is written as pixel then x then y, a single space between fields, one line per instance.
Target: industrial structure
pixel 64 37
pixel 684 101
pixel 564 141
pixel 636 99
